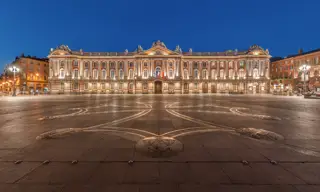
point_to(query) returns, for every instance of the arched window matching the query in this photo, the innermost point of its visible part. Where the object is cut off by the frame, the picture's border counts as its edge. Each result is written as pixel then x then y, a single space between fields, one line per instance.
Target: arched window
pixel 76 73
pixel 112 76
pixel 204 64
pixel 85 74
pixel 103 74
pixel 121 74
pixel 196 75
pixel 170 73
pixel 145 73
pixel 185 65
pixel 145 64
pixel 255 74
pixel 185 74
pixel 204 74
pixel 95 74
pixel 231 74
pixel 213 74
pixel 230 64
pixel 221 74
pixel 130 74
pixel 131 64
pixel 61 73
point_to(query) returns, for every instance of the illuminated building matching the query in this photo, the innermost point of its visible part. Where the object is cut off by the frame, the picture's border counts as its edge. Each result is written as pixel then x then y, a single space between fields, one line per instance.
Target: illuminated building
pixel 159 70
pixel 286 76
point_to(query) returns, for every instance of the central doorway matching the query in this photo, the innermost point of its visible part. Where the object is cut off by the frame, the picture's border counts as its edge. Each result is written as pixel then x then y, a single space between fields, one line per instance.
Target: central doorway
pixel 157 87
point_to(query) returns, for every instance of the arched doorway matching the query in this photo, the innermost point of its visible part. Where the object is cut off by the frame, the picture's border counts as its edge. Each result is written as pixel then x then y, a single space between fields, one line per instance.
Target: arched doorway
pixel 205 87
pixel 157 87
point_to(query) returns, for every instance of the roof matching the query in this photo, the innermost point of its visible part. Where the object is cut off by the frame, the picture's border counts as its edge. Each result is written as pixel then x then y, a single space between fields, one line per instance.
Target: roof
pixel 159 48
pixel 296 55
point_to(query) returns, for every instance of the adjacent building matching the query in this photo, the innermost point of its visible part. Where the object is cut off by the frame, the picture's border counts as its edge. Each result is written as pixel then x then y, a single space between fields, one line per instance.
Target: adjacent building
pixel 286 76
pixel 159 70
pixel 31 77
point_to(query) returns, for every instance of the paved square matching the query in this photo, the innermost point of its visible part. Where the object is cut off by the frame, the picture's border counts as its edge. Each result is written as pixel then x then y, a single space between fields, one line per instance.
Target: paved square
pixel 159 143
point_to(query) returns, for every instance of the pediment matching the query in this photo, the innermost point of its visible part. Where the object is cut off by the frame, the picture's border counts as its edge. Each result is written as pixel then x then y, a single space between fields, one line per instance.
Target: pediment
pixel 60 52
pixel 159 50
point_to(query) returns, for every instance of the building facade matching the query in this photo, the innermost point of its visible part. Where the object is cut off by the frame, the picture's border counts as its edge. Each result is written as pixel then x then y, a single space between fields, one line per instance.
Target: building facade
pixel 286 76
pixel 32 76
pixel 159 70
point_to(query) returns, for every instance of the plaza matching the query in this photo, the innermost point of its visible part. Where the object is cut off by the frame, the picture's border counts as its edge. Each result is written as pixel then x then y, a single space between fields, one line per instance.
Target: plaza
pixel 199 142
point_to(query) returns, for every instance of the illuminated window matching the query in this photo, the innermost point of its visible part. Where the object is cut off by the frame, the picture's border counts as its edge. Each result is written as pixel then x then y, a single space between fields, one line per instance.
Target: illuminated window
pixel 213 74
pixel 185 74
pixel 145 73
pixel 85 73
pixel 112 74
pixel 61 73
pixel 103 86
pixel 196 74
pixel 130 74
pixel 221 64
pixel 104 74
pixel 76 73
pixel 95 74
pixel 171 73
pixel 75 85
pixel 121 74
pixel 196 85
pixel 204 74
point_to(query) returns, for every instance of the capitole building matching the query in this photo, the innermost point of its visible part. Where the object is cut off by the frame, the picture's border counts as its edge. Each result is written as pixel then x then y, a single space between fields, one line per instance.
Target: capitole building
pixel 159 70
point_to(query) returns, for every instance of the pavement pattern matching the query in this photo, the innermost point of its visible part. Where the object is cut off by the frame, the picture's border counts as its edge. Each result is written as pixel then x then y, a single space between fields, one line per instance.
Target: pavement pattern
pixel 159 143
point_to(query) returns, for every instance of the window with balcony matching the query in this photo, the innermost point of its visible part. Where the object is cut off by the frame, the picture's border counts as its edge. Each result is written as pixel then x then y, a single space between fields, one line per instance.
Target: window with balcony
pixel 85 73
pixel 103 73
pixel 112 75
pixel 196 75
pixel 76 73
pixel 95 74
pixel 130 74
pixel 204 74
pixel 121 74
pixel 61 73
pixel 185 74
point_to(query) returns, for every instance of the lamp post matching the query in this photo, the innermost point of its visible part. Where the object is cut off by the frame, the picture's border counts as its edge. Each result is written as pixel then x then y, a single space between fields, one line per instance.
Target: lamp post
pixel 304 68
pixel 14 69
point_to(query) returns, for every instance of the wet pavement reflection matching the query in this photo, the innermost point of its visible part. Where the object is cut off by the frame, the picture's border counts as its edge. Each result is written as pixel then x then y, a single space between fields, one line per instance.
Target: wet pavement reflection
pixel 141 133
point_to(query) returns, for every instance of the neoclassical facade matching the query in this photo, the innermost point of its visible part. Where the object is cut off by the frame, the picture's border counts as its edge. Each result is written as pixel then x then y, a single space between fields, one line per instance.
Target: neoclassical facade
pixel 159 70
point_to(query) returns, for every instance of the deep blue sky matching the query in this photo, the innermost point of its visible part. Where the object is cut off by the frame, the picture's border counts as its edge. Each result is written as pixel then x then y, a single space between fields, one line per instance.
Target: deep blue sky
pixel 34 26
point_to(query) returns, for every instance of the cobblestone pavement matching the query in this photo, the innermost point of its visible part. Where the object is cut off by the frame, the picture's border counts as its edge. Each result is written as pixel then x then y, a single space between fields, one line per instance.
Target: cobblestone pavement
pixel 159 143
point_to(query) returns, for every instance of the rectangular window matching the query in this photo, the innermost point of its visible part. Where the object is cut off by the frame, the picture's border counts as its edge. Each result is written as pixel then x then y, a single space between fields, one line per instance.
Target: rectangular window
pixel 103 86
pixel 86 86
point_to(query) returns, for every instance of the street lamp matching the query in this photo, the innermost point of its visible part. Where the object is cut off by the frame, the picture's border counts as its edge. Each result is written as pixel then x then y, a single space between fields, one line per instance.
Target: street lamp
pixel 304 68
pixel 14 69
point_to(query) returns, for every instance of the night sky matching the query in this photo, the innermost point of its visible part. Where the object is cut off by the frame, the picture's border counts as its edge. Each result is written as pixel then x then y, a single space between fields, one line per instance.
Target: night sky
pixel 34 26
